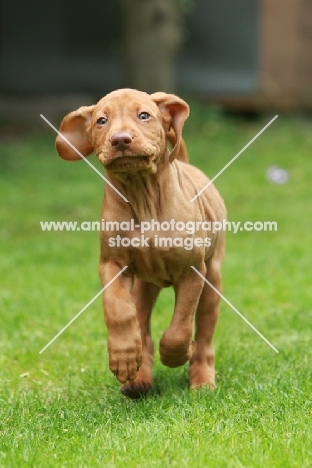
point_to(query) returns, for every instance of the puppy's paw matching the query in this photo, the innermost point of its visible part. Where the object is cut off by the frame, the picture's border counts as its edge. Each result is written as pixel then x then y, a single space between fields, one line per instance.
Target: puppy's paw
pixel 126 359
pixel 136 389
pixel 208 385
pixel 175 354
pixel 202 375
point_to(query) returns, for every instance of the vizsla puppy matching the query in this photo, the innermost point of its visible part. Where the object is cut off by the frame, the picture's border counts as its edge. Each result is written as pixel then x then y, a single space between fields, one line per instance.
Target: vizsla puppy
pixel 128 131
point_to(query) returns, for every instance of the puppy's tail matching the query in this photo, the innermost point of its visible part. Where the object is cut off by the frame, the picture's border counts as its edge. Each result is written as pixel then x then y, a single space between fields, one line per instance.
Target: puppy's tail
pixel 183 154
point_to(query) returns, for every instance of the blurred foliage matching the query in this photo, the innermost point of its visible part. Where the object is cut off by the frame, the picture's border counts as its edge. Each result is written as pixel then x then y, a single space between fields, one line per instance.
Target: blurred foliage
pixel 185 5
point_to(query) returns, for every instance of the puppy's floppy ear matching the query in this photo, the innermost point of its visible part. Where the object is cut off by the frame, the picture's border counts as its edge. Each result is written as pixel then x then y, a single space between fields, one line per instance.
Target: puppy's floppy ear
pixel 75 127
pixel 175 111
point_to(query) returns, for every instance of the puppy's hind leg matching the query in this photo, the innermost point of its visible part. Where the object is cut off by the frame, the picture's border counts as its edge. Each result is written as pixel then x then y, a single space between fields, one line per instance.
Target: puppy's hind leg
pixel 202 370
pixel 144 296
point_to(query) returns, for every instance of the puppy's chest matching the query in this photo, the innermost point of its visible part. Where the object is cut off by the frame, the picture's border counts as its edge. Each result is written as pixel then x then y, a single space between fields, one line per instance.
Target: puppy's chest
pixel 156 253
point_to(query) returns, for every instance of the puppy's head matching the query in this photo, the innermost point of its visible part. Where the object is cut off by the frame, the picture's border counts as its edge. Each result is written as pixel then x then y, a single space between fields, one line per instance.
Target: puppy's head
pixel 126 129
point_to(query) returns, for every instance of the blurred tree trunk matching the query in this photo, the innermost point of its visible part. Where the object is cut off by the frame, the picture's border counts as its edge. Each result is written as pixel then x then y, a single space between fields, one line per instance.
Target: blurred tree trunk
pixel 153 34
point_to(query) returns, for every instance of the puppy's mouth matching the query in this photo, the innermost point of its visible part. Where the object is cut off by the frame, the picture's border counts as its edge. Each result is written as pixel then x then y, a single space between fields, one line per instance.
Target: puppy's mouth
pixel 128 163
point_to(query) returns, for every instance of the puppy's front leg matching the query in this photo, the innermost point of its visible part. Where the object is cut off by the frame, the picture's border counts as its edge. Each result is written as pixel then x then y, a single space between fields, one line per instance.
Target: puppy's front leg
pixel 175 346
pixel 124 337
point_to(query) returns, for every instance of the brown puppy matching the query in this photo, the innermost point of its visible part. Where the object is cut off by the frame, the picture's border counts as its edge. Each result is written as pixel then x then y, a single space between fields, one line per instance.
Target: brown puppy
pixel 128 131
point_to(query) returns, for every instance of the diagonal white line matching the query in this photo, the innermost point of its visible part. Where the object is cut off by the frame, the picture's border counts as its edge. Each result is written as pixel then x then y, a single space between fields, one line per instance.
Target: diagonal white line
pixel 82 310
pixel 232 160
pixel 83 157
pixel 235 310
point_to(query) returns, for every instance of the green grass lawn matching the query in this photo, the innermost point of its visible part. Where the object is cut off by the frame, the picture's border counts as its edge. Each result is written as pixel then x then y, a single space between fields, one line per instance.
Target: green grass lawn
pixel 63 408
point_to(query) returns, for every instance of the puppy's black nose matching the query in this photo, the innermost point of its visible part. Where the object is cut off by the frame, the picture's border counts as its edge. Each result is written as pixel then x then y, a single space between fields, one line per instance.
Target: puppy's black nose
pixel 121 139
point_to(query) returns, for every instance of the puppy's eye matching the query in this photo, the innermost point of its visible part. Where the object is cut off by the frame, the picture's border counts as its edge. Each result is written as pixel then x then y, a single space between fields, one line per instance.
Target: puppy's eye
pixel 101 121
pixel 143 116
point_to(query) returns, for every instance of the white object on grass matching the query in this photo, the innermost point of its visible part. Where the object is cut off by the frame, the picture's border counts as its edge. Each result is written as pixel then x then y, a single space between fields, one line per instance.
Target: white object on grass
pixel 277 175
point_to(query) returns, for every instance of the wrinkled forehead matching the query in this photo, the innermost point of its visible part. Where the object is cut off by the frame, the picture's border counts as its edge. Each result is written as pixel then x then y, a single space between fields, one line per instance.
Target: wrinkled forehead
pixel 124 99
